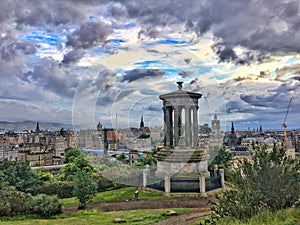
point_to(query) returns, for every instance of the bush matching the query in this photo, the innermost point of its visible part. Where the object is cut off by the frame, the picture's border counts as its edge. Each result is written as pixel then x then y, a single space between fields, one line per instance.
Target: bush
pixel 238 204
pixel 270 180
pixel 46 206
pixel 63 189
pixel 15 202
pixel 103 183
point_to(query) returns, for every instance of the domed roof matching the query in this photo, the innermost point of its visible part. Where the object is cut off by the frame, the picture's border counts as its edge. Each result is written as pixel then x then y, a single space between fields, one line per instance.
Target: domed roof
pixel 180 94
pixel 269 140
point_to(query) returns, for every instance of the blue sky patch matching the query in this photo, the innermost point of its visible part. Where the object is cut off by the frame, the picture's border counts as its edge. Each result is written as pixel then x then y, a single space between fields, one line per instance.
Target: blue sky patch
pixel 148 63
pixel 42 37
pixel 129 25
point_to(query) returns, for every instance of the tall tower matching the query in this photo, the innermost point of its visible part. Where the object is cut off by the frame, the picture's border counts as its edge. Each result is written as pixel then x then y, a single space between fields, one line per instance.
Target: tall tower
pixel 37 129
pixel 215 128
pixel 232 128
pixel 232 136
pixel 142 122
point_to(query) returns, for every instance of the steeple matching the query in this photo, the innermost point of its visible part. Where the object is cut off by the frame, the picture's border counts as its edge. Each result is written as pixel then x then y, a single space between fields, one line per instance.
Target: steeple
pixel 260 128
pixel 99 126
pixel 37 129
pixel 232 128
pixel 142 122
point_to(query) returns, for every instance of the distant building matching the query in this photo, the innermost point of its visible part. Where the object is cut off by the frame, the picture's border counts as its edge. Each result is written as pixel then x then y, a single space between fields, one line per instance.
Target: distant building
pixel 215 128
pixel 231 138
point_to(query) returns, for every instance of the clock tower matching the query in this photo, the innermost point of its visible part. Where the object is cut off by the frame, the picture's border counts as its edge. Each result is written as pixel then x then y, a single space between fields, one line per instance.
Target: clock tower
pixel 215 128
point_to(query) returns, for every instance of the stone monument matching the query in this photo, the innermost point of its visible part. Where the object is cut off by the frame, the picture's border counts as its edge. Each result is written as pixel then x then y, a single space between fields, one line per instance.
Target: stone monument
pixel 181 161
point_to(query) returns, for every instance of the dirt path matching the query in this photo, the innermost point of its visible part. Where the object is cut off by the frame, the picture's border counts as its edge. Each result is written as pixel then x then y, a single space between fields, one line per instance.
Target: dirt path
pixel 186 218
pixel 142 204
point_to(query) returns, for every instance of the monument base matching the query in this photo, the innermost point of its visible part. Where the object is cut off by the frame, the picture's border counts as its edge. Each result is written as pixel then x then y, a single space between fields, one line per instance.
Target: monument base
pixel 182 162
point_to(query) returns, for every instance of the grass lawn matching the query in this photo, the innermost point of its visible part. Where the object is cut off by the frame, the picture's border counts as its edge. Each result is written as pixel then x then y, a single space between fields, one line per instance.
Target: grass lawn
pixel 283 217
pixel 93 217
pixel 116 195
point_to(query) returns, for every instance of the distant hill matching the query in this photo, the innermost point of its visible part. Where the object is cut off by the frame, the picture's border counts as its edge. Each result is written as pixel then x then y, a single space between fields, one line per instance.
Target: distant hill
pixel 31 125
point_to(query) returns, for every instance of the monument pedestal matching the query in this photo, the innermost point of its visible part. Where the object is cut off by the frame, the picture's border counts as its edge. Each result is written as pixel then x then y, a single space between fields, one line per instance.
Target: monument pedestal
pixel 183 169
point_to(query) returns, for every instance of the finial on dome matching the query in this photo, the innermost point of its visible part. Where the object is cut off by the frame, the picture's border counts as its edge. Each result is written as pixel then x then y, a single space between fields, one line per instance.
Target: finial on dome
pixel 179 85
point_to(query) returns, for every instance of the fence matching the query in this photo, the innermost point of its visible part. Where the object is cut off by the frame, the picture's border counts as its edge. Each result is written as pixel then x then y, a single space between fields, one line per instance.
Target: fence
pixel 213 182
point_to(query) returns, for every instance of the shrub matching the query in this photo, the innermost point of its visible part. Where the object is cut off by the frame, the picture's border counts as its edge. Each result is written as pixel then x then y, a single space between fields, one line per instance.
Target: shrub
pixel 63 189
pixel 15 202
pixel 46 206
pixel 270 180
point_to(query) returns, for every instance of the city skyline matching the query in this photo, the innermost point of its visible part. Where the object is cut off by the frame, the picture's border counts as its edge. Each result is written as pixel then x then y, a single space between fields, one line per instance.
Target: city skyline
pixel 78 62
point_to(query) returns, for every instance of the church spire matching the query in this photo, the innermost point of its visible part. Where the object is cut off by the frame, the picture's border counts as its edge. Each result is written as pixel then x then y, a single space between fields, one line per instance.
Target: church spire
pixel 142 122
pixel 37 129
pixel 260 128
pixel 232 128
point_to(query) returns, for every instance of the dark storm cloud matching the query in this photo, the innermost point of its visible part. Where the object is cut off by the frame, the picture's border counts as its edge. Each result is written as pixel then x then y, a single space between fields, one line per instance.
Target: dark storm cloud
pixel 262 27
pixel 137 74
pixel 49 75
pixel 73 56
pixel 45 13
pixel 101 84
pixel 233 107
pixel 275 98
pixel 10 48
pixel 89 35
pixel 113 95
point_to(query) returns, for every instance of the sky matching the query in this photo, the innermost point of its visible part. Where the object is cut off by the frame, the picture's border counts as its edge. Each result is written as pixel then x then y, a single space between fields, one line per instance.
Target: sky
pixel 84 61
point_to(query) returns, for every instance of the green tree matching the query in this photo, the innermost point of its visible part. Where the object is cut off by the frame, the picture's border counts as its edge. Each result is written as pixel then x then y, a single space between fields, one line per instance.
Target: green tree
pixel 85 188
pixel 19 175
pixel 146 160
pixel 122 157
pixel 223 158
pixel 71 154
pixel 76 161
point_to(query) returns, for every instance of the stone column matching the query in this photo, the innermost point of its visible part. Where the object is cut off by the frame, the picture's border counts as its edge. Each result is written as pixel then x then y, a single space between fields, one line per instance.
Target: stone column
pixel 171 125
pixel 167 185
pixel 167 126
pixel 188 126
pixel 222 174
pixel 176 126
pixel 179 120
pixel 195 126
pixel 202 184
pixel 146 172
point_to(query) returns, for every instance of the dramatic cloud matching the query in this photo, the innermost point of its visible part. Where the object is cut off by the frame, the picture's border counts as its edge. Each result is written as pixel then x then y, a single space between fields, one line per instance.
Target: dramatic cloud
pixel 137 74
pixel 73 56
pixel 89 35
pixel 102 53
pixel 51 76
pixel 260 27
